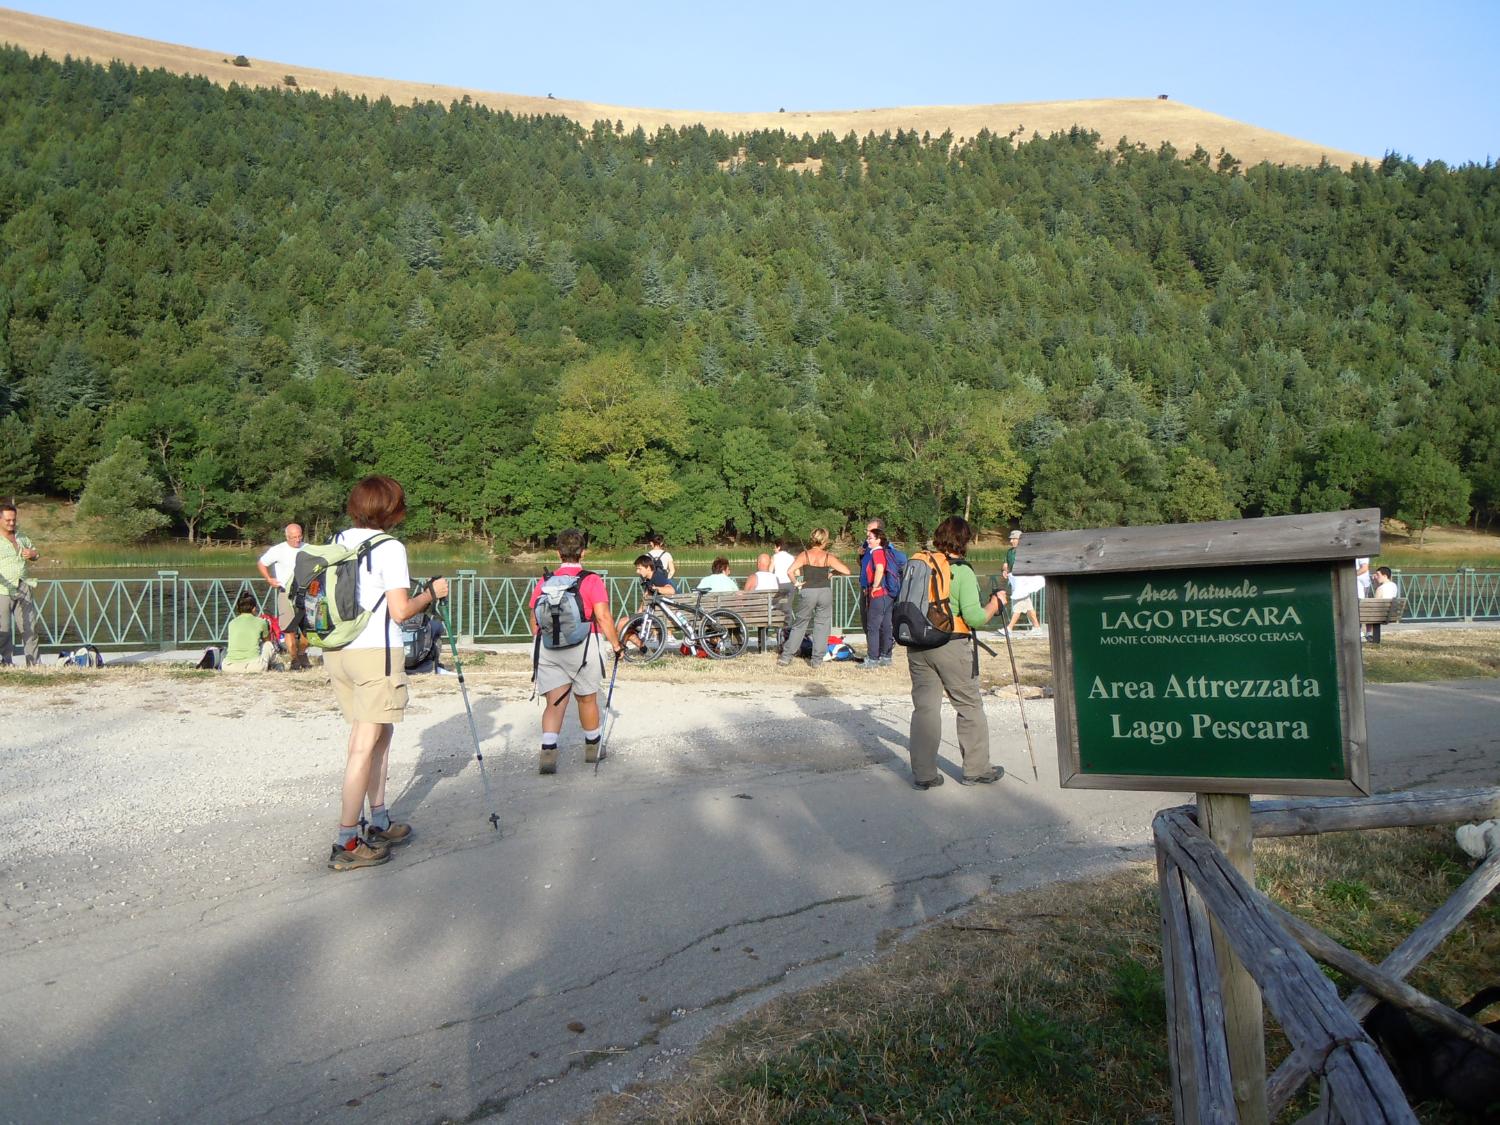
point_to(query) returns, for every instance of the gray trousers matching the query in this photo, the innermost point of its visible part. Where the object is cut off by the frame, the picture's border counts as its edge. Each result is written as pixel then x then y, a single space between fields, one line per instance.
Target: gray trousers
pixel 18 628
pixel 815 611
pixel 935 672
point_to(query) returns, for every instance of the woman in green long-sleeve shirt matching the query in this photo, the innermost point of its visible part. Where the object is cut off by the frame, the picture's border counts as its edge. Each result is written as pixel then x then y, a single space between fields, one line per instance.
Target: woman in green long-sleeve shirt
pixel 952 669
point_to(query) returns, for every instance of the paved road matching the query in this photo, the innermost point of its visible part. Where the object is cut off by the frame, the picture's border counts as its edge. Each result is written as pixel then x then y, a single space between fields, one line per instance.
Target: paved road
pixel 190 977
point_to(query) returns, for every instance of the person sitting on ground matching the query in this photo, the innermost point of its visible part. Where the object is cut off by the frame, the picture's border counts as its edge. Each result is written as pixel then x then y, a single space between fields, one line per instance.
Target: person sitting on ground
pixel 764 578
pixel 250 646
pixel 718 582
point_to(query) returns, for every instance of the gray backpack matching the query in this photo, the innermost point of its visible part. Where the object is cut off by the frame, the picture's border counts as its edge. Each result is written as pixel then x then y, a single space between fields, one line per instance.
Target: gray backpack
pixel 561 618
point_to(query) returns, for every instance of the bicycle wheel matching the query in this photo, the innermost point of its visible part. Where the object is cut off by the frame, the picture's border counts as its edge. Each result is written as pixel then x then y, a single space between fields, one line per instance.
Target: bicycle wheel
pixel 724 634
pixel 644 638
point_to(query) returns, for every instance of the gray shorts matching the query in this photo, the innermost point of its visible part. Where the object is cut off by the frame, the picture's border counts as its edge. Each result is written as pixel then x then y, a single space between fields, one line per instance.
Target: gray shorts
pixel 582 666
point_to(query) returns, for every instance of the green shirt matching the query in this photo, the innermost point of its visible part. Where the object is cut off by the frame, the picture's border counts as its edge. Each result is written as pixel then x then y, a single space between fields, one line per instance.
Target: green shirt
pixel 963 595
pixel 246 632
pixel 12 566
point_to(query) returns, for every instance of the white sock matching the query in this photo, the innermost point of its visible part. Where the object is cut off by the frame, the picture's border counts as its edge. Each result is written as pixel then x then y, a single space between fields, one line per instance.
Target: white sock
pixel 591 735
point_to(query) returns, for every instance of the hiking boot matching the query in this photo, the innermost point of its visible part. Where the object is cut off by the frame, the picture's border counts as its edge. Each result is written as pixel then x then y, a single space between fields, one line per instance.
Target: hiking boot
pixel 591 750
pixel 989 778
pixel 390 837
pixel 357 853
pixel 548 759
pixel 933 784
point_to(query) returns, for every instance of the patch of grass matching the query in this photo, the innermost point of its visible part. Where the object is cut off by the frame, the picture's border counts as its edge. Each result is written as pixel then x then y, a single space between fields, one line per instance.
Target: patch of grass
pixel 1349 892
pixel 1047 1005
pixel 1415 655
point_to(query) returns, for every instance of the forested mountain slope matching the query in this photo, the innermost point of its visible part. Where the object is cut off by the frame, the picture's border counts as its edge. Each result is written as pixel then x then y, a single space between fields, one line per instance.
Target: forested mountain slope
pixel 250 297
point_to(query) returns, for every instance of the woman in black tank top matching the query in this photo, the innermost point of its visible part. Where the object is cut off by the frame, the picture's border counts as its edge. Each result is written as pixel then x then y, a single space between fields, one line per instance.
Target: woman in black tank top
pixel 815 599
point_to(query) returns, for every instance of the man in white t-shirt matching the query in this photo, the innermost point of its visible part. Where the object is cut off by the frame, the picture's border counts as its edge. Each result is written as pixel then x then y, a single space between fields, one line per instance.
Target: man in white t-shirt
pixel 276 567
pixel 781 564
pixel 1022 587
pixel 1362 576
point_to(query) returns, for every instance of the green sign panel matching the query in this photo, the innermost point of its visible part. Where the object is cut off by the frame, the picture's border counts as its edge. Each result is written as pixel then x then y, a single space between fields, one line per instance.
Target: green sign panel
pixel 1228 672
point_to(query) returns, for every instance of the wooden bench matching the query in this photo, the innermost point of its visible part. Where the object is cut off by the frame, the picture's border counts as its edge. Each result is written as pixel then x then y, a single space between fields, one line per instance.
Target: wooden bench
pixel 761 610
pixel 1375 612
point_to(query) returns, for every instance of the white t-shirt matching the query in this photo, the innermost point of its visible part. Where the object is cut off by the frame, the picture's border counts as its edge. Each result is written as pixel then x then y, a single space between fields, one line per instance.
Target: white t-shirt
pixel 280 561
pixel 763 580
pixel 1362 576
pixel 781 565
pixel 388 571
pixel 1388 589
pixel 1024 585
pixel 664 558
pixel 718 584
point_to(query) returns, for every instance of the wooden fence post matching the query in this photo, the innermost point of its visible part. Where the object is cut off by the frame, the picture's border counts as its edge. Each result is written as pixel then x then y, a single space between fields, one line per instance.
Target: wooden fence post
pixel 1225 819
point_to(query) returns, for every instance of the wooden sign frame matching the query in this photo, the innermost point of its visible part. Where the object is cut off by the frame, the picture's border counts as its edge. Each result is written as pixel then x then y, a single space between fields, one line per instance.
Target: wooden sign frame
pixel 1333 538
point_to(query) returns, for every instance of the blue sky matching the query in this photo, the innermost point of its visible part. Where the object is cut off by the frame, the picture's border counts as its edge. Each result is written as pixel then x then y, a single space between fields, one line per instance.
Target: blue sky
pixel 1370 77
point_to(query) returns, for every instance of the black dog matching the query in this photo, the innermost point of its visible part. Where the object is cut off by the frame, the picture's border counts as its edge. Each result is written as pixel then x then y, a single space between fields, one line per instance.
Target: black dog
pixel 1432 1063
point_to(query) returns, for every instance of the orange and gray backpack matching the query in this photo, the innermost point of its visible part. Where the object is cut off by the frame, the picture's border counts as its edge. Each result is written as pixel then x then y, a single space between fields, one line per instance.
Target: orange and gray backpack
pixel 923 615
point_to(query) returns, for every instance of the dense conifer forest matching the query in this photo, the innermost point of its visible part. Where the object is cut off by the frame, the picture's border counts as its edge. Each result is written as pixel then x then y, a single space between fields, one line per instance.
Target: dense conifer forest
pixel 219 307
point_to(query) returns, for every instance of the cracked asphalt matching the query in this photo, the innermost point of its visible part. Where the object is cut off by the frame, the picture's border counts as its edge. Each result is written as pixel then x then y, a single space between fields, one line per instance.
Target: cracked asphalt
pixel 173 948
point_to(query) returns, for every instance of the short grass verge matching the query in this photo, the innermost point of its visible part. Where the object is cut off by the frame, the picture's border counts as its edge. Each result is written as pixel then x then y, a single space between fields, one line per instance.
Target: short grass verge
pixel 1046 1005
pixel 1412 655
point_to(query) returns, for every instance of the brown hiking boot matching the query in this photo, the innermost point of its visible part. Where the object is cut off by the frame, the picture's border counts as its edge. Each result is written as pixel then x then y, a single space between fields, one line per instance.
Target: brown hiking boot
pixel 390 837
pixel 548 759
pixel 591 751
pixel 357 853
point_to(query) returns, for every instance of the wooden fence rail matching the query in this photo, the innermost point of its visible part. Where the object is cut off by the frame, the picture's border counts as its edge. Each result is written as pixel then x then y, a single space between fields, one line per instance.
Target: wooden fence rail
pixel 1198 882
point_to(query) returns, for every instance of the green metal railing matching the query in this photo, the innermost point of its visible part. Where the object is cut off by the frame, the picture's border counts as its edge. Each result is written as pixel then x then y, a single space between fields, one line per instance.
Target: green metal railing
pixel 167 611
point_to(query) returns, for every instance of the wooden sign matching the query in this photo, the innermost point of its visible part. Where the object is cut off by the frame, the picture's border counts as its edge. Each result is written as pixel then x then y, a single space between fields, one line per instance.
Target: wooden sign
pixel 1217 657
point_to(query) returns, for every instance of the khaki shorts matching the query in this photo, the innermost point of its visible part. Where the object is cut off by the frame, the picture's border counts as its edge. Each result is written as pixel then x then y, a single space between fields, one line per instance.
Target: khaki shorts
pixel 559 667
pixel 365 693
pixel 284 610
pixel 1022 605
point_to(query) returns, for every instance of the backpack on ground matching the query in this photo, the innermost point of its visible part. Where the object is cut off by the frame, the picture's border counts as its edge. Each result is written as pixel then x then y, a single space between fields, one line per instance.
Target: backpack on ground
pixel 923 614
pixel 420 638
pixel 85 656
pixel 325 591
pixel 211 660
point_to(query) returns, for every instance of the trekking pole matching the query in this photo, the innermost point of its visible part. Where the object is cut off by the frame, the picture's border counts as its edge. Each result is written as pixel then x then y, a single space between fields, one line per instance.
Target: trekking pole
pixel 1020 699
pixel 609 710
pixel 1015 678
pixel 464 691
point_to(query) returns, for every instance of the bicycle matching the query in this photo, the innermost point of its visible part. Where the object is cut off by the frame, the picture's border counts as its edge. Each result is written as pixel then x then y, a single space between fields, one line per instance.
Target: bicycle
pixel 721 633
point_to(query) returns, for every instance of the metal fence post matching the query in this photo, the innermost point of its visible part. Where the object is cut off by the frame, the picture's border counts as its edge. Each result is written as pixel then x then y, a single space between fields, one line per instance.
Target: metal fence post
pixel 468 582
pixel 1471 591
pixel 166 639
